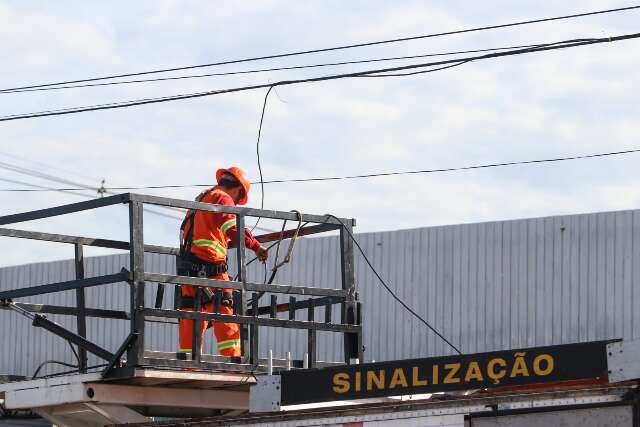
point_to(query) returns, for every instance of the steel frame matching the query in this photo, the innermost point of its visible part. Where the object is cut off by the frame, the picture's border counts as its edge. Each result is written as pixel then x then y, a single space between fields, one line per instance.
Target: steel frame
pixel 247 315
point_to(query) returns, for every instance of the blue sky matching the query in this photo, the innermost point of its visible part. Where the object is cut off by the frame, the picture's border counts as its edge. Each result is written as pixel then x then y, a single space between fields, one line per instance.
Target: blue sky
pixel 577 101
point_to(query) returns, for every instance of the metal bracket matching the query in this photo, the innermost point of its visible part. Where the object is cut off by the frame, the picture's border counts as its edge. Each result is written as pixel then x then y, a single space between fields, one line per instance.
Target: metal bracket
pixel 264 396
pixel 623 360
pixel 38 320
pixel 159 295
pixel 42 322
pixel 115 360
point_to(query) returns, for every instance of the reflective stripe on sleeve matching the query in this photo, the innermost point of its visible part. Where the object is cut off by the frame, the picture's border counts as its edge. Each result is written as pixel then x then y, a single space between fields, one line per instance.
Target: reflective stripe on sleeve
pixel 227 225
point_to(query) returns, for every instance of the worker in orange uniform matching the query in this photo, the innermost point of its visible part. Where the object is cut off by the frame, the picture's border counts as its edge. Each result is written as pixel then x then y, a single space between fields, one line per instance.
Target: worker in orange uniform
pixel 203 253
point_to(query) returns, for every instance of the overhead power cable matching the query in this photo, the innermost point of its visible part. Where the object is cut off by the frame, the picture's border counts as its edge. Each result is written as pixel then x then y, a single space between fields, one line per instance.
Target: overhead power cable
pixel 143 101
pixel 430 70
pixel 81 187
pixel 266 70
pixel 129 103
pixel 364 73
pixel 362 176
pixel 43 188
pixel 331 49
pixel 46 165
pixel 41 175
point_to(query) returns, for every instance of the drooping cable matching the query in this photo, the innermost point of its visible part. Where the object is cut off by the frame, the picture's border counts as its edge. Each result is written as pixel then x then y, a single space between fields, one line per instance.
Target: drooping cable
pixel 89 368
pixel 57 362
pixel 75 353
pixel 51 362
pixel 255 258
pixel 389 290
pixel 145 101
pixel 272 69
pixel 264 107
pixel 418 72
pixel 335 48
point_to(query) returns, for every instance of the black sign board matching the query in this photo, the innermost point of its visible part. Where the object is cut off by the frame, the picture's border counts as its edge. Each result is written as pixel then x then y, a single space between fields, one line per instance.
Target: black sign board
pixel 436 374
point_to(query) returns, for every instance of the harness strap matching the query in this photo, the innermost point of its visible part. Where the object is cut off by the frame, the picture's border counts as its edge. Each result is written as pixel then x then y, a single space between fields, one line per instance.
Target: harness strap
pixel 224 298
pixel 189 219
pixel 191 265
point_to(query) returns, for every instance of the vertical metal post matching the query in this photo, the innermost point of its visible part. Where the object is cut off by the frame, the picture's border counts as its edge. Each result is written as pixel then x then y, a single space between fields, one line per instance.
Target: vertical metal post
pixel 242 268
pixel 360 343
pixel 273 307
pixel 196 337
pixel 237 302
pixel 254 342
pixel 81 319
pixel 311 337
pixel 327 312
pixel 159 295
pixel 242 277
pixel 217 300
pixel 352 349
pixel 292 308
pixel 176 297
pixel 135 354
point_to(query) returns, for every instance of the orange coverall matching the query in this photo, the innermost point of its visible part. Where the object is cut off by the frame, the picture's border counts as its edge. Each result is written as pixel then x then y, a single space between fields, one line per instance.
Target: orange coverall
pixel 211 234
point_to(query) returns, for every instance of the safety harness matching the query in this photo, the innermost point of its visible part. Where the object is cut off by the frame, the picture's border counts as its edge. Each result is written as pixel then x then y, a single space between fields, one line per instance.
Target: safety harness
pixel 188 264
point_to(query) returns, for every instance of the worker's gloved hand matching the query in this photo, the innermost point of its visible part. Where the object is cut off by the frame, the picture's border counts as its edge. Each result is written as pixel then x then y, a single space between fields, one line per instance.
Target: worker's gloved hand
pixel 227 299
pixel 262 254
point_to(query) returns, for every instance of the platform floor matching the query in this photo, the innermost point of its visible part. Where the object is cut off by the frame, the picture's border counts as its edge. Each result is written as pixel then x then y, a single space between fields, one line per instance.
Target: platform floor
pixel 130 395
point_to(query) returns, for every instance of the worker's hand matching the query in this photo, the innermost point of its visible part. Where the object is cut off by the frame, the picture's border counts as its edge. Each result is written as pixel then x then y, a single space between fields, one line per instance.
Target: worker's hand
pixel 262 254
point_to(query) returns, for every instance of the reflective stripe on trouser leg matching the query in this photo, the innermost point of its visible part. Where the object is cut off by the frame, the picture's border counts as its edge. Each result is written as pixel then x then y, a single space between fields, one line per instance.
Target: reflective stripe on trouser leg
pixel 229 344
pixel 185 328
pixel 227 335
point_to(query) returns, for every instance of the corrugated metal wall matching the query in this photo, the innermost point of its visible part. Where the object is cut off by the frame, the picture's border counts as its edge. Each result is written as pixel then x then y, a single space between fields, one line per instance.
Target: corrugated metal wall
pixel 485 286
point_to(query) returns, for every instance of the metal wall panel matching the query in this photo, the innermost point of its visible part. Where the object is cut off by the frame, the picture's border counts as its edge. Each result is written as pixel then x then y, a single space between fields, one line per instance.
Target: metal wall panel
pixel 618 416
pixel 485 286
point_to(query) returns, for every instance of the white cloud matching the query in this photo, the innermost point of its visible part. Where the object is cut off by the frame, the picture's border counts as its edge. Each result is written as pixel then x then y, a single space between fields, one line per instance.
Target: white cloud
pixel 538 106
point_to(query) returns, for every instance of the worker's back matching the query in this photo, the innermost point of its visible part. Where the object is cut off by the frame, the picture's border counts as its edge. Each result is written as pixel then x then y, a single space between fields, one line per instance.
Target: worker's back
pixel 209 239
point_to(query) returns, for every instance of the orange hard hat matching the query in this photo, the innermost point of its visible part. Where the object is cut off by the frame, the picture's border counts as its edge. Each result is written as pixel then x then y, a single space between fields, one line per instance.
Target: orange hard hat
pixel 242 179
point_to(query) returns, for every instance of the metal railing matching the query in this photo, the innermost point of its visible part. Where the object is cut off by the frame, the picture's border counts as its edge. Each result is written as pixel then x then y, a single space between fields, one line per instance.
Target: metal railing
pixel 247 311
